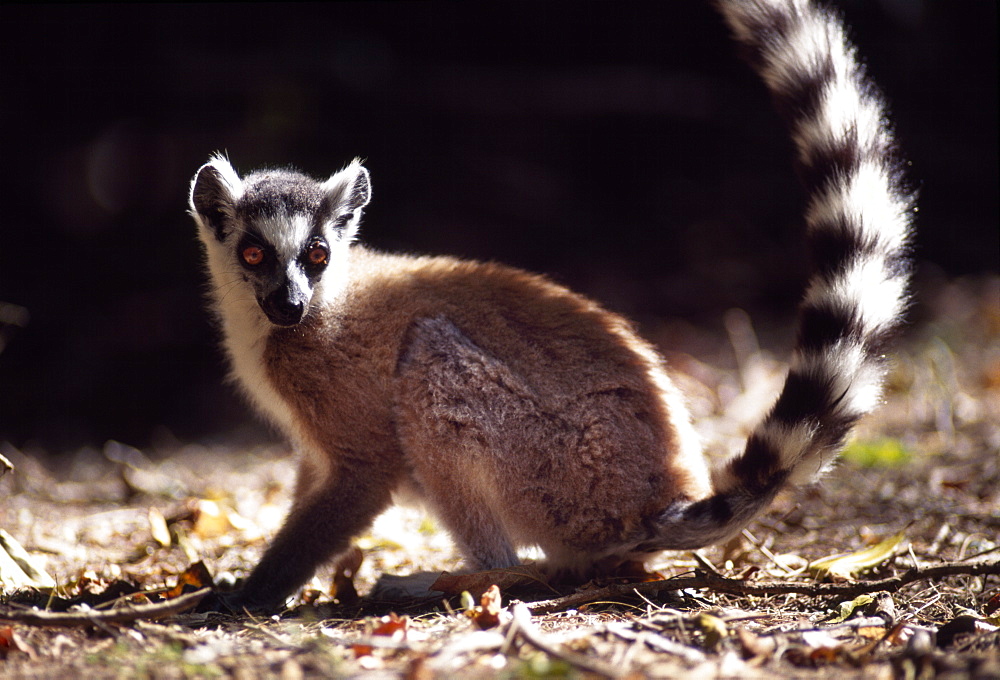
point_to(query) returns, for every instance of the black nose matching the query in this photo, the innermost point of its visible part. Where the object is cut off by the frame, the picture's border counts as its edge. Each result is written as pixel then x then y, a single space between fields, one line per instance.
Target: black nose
pixel 284 307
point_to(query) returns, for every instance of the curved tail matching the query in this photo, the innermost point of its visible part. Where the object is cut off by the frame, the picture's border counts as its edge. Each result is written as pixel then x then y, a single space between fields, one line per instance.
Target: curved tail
pixel 858 227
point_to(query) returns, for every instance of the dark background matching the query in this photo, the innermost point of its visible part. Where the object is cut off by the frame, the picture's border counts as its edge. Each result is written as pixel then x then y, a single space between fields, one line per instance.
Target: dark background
pixel 620 147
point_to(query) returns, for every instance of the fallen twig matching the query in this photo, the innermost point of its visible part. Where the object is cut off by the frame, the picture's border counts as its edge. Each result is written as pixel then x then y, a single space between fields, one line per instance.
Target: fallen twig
pixel 526 628
pixel 158 610
pixel 655 639
pixel 731 586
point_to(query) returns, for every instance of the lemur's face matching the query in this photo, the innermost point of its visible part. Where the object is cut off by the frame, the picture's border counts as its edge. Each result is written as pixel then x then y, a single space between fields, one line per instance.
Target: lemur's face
pixel 280 233
pixel 283 278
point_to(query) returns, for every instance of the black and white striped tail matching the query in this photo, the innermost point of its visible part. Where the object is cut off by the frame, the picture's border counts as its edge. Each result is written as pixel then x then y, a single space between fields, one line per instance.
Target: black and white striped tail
pixel 858 226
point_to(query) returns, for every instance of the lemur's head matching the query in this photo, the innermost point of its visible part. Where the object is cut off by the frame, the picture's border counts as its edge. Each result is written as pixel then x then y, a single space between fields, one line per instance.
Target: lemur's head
pixel 283 234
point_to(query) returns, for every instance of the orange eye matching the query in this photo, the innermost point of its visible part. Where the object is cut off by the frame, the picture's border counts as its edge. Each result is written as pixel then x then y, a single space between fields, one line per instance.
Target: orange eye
pixel 253 255
pixel 318 255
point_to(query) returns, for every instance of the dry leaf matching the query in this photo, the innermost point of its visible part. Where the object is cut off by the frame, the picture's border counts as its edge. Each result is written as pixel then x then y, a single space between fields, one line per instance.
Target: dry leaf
pixel 196 576
pixel 310 596
pixel 899 635
pixel 713 629
pixel 846 567
pixel 871 632
pixel 825 654
pixel 468 602
pixel 847 609
pixel 158 527
pixel 343 589
pixel 819 647
pixel 391 626
pixel 210 519
pixel 10 641
pixel 18 569
pixel 817 639
pixel 992 607
pixel 487 614
pixel 479 582
pixel 961 626
pixel 756 646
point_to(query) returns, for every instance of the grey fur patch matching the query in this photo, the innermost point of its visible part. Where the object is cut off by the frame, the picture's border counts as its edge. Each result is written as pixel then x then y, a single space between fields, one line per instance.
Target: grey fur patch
pixel 279 192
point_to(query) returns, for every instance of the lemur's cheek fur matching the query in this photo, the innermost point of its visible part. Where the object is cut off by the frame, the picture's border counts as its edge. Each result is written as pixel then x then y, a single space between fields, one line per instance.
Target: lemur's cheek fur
pixel 469 384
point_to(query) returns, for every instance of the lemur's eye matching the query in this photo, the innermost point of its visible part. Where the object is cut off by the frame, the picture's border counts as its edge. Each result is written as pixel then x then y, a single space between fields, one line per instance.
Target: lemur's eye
pixel 253 255
pixel 317 255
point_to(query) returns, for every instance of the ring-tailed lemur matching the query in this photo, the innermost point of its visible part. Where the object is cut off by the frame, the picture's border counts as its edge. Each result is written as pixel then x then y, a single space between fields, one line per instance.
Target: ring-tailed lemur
pixel 523 413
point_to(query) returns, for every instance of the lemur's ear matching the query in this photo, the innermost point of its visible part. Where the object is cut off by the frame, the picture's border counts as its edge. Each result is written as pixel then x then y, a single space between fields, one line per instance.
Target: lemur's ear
pixel 214 192
pixel 347 193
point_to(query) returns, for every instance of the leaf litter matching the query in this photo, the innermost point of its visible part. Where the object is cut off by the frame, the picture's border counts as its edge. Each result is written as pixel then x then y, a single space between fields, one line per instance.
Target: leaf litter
pixel 131 540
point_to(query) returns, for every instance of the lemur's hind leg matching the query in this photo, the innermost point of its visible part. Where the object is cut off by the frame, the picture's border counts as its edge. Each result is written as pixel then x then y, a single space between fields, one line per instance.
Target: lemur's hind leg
pixel 504 466
pixel 450 399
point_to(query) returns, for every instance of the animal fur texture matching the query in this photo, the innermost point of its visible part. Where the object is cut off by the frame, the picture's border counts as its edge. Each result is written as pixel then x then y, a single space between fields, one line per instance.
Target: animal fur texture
pixel 522 413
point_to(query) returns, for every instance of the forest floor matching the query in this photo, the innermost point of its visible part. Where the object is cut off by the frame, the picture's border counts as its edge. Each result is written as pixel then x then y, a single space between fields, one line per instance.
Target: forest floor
pixel 118 536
